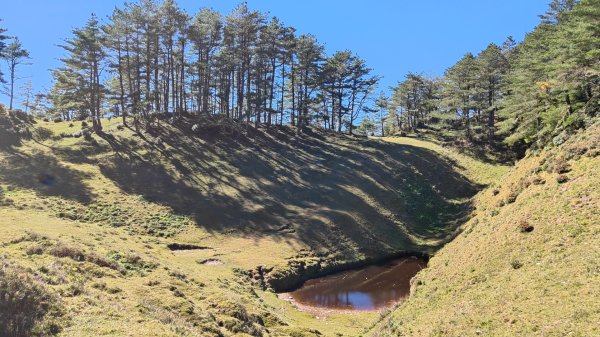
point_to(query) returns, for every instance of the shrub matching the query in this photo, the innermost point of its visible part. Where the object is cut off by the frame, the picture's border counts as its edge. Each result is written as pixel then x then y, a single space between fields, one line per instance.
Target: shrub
pixel 558 165
pixel 74 289
pixel 101 261
pixel 35 249
pixel 561 166
pixel 29 237
pixel 71 125
pixel 84 124
pixel 516 264
pixel 27 308
pixel 152 283
pixel 58 120
pixel 176 292
pixel 114 290
pixel 62 250
pixel 561 179
pixel 525 227
pixel 178 274
pixel 99 285
pixel 538 181
pixel 512 197
pixel 133 263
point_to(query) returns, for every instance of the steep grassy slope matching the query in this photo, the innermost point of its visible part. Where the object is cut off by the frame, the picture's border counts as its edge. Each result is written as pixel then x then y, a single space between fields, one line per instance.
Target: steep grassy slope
pixel 155 233
pixel 526 264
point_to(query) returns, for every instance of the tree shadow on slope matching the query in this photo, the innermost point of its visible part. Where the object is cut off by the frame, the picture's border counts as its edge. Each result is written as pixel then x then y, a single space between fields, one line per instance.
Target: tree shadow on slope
pixel 13 130
pixel 45 175
pixel 479 147
pixel 82 152
pixel 339 194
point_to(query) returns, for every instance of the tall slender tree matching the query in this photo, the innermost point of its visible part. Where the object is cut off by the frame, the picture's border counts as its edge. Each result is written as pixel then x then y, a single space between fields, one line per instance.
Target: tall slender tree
pixel 206 32
pixel 460 90
pixel 81 73
pixel 493 67
pixel 309 54
pixel 3 38
pixel 14 55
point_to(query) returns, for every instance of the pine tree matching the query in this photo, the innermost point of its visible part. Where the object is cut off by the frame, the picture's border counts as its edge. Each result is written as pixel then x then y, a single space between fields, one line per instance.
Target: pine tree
pixel 243 26
pixel 2 48
pixel 361 87
pixel 27 96
pixel 336 75
pixel 556 10
pixel 205 34
pixel 493 67
pixel 553 82
pixel 459 90
pixel 14 54
pixel 414 99
pixel 382 105
pixel 309 54
pixel 67 94
pixel 81 72
pixel 116 40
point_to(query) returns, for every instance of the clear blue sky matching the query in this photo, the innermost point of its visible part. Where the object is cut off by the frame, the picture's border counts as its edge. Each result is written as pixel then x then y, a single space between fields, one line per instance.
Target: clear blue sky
pixel 393 36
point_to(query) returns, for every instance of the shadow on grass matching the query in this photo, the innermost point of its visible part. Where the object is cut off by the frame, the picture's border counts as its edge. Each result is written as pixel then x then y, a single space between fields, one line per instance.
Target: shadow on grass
pixel 342 194
pixel 479 147
pixel 45 175
pixel 12 131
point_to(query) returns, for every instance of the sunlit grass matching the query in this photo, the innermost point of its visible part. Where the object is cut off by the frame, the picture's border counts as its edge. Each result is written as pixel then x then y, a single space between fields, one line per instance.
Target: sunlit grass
pixel 527 263
pixel 233 198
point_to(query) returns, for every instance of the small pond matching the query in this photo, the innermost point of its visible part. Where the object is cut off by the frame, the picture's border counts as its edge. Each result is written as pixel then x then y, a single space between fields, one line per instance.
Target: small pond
pixel 368 288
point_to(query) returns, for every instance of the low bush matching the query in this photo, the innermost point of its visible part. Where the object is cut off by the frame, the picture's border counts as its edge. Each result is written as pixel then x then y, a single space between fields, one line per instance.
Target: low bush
pixel 27 307
pixel 35 249
pixel 29 237
pixel 525 227
pixel 516 264
pixel 102 261
pixel 133 263
pixel 512 196
pixel 538 181
pixel 62 250
pixel 561 179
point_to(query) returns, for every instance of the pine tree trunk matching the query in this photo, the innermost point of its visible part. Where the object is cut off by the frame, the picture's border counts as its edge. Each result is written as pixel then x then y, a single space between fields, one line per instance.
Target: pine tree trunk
pixel 121 85
pixel 12 85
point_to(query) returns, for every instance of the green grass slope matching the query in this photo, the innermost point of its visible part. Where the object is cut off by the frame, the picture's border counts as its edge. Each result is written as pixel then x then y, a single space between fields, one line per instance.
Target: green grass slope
pixel 526 264
pixel 156 233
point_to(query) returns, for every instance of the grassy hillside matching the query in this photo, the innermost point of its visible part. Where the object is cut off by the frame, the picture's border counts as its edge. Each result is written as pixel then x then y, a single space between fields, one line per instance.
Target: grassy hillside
pixel 526 264
pixel 156 233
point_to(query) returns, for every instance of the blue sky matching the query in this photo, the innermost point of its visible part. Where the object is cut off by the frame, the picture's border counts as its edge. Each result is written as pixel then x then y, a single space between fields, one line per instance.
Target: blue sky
pixel 393 36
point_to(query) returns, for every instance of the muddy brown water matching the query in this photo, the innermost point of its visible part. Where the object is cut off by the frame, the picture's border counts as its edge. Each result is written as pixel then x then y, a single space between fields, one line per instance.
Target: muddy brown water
pixel 369 288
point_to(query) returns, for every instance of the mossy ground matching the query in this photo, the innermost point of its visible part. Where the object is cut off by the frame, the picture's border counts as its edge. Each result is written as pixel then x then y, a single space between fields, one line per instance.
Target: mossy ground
pixel 527 263
pixel 104 210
